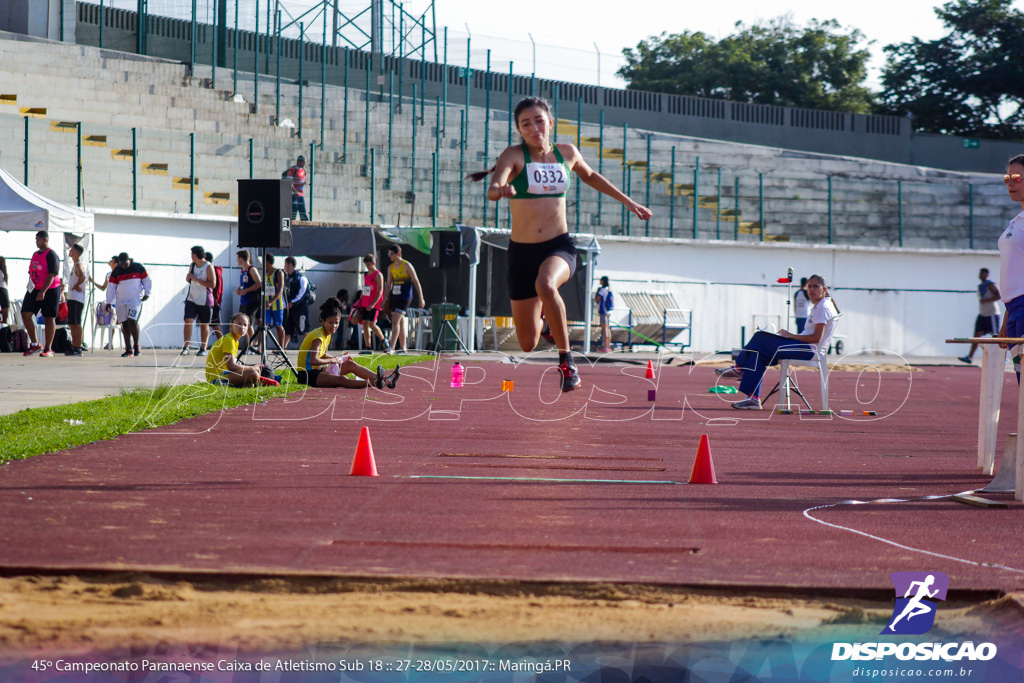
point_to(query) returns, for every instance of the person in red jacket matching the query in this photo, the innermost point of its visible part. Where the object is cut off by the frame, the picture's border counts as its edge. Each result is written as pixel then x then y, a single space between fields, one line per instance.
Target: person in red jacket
pixel 298 175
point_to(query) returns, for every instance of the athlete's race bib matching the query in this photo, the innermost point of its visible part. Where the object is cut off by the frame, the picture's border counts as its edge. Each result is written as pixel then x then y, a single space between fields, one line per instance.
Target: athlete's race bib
pixel 396 289
pixel 546 178
pixel 367 290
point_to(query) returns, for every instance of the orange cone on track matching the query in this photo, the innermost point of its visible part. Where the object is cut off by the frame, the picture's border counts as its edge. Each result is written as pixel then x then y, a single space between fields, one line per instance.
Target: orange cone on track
pixel 650 370
pixel 363 464
pixel 703 470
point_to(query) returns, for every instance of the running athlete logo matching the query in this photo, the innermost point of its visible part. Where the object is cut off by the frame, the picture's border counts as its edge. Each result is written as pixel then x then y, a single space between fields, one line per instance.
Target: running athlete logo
pixel 914 613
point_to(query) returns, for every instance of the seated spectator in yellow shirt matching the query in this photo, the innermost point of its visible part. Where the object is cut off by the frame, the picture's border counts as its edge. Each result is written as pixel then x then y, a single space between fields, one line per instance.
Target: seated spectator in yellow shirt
pixel 222 363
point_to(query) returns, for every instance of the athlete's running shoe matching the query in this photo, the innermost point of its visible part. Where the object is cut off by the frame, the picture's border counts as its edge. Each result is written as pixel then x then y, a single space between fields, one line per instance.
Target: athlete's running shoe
pixel 127 353
pixel 379 381
pixel 570 377
pixel 34 348
pixel 729 373
pixel 48 353
pixel 184 350
pixel 138 351
pixel 392 379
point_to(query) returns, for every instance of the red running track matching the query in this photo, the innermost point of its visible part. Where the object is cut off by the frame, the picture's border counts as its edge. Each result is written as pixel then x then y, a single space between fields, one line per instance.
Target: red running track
pixel 266 488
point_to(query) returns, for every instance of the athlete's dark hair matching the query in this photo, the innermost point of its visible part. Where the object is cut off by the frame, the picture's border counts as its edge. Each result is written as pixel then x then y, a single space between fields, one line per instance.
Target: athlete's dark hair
pixel 1019 159
pixel 244 255
pixel 524 103
pixel 199 252
pixel 78 248
pixel 3 267
pixel 395 249
pixel 330 308
pixel 824 283
pixel 290 260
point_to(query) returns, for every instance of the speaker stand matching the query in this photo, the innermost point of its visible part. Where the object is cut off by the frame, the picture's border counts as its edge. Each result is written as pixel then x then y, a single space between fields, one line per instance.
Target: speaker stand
pixel 447 326
pixel 263 333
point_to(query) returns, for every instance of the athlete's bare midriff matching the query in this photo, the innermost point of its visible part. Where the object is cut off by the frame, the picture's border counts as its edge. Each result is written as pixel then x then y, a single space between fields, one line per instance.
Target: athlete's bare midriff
pixel 538 220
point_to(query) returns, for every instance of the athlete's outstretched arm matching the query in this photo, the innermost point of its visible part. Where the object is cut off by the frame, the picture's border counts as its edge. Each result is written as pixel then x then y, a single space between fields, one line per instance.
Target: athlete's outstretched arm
pixel 602 184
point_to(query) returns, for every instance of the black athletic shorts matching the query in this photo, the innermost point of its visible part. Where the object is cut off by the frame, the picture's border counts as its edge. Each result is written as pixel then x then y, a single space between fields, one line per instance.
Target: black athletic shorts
pixel 308 377
pixel 526 258
pixel 193 311
pixel 215 315
pixel 75 309
pixel 48 306
pixel 296 321
pixel 250 310
pixel 986 324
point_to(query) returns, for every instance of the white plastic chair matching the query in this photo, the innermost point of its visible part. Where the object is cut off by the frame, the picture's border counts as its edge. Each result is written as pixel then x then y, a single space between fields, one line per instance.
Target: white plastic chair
pixel 113 331
pixel 786 381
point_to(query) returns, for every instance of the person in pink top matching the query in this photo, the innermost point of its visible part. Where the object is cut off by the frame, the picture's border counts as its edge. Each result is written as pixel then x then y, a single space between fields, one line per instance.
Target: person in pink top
pixel 43 295
pixel 370 303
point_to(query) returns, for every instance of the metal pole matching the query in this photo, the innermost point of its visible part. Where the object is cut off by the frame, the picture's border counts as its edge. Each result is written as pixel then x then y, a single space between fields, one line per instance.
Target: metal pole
pixel 423 71
pixel 647 200
pixel 191 172
pixel 629 191
pixel 600 160
pixel 625 167
pixel 433 189
pixel 26 151
pixel 437 125
pixel 302 49
pixel 391 124
pixel 401 53
pixel 101 24
pixel 462 157
pixel 344 134
pixel 511 123
pixel 234 59
pixel 554 138
pixel 78 130
pixel 830 209
pixel 312 175
pixel 579 139
pixel 444 83
pixel 760 202
pixel 135 171
pixel 970 199
pixel 718 207
pixel 213 56
pixel 696 196
pixel 277 30
pixel 487 118
pixel 412 169
pixel 255 60
pixel 468 79
pixel 323 89
pixel 899 206
pixel 192 43
pixel 252 159
pixel 277 78
pixel 736 209
pixel 672 196
pixel 373 185
pixel 366 120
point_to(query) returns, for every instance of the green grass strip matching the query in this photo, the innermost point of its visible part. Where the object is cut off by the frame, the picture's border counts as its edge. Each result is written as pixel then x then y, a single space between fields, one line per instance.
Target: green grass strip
pixel 35 431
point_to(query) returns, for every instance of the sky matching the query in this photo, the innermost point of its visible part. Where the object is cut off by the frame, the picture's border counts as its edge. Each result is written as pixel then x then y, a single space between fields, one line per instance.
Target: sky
pixel 577 25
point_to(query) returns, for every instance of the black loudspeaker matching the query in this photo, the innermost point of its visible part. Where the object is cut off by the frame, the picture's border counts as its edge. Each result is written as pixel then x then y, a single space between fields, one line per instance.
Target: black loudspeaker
pixel 265 213
pixel 445 248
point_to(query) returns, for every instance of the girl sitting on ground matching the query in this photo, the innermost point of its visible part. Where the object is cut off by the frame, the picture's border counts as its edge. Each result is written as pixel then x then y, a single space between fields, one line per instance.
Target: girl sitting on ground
pixel 318 369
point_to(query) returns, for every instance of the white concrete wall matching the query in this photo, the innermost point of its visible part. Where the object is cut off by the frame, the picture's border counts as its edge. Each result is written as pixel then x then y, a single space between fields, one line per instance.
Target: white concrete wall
pixel 901 301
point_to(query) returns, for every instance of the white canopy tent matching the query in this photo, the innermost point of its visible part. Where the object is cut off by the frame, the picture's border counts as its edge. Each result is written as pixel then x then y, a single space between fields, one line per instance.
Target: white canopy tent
pixel 25 209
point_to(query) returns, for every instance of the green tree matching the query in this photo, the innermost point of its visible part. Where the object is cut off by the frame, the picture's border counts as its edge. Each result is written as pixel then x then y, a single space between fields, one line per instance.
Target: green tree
pixel 819 66
pixel 969 82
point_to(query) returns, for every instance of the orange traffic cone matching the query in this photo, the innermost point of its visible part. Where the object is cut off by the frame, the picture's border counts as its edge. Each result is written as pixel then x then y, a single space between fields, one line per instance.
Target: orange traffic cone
pixel 703 470
pixel 650 370
pixel 363 464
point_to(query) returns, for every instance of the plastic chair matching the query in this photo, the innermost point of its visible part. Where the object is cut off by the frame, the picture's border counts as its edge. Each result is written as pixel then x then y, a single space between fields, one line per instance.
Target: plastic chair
pixel 112 329
pixel 788 383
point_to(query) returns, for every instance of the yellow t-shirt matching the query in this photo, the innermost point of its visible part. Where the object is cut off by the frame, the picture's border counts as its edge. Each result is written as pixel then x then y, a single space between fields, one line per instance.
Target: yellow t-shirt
pixel 307 344
pixel 216 362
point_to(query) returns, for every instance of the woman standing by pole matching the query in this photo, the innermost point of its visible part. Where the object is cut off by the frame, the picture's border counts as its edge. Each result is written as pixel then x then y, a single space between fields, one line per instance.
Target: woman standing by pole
pixel 541 255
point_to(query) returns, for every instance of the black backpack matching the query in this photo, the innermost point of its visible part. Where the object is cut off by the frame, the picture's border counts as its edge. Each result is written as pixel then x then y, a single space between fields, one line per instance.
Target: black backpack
pixel 310 292
pixel 6 340
pixel 61 340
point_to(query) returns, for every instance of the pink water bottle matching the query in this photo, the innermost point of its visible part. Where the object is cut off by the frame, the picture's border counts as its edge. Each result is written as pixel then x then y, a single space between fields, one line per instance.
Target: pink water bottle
pixel 456 375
